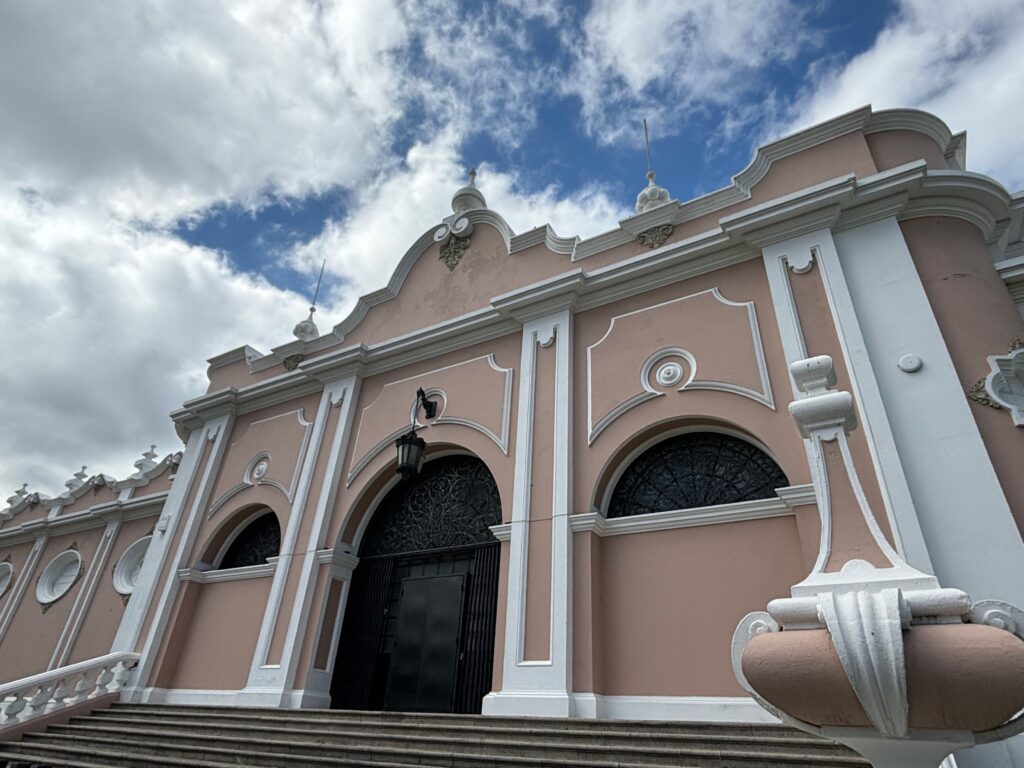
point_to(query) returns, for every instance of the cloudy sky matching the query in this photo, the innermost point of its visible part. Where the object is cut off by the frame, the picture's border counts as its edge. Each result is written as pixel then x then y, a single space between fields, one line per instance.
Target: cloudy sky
pixel 172 172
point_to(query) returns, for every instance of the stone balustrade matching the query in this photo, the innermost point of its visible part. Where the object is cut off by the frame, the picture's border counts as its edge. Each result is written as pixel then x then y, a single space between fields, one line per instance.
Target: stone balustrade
pixel 39 695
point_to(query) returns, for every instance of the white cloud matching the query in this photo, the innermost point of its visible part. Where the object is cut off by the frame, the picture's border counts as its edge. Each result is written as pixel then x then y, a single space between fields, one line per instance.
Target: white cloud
pixel 960 61
pixel 409 197
pixel 123 118
pixel 665 60
pixel 106 329
pixel 157 109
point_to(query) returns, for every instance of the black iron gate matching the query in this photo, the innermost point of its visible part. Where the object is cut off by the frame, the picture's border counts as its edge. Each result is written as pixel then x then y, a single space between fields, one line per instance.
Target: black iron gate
pixel 385 638
pixel 418 633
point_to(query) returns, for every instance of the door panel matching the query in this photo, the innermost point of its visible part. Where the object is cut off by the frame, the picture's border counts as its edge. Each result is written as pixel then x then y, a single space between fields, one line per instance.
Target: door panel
pixel 425 658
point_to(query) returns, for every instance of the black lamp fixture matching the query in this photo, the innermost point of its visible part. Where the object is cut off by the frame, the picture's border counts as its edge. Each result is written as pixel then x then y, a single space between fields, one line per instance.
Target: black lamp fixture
pixel 410 445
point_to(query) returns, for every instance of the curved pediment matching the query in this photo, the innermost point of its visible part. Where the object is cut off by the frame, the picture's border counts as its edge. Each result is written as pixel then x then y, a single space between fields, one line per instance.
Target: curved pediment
pixel 457 266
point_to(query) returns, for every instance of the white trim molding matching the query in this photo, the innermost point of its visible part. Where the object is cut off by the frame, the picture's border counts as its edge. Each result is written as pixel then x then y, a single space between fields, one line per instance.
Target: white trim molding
pixel 243 573
pixel 802 253
pixel 672 373
pixel 501 440
pixel 264 674
pixel 342 395
pixel 781 505
pixel 215 431
pixel 255 471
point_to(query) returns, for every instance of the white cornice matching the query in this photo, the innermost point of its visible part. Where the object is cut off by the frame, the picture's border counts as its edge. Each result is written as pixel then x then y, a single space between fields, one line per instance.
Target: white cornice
pixel 140 479
pixel 779 506
pixel 908 190
pixel 862 119
pixel 93 517
pixel 953 146
pixel 502 532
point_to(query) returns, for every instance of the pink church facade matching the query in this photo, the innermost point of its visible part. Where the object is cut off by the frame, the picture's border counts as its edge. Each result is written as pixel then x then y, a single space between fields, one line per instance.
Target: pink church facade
pixel 613 478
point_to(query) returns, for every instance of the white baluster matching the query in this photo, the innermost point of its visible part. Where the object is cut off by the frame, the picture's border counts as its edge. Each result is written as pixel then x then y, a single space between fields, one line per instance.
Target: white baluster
pixel 40 700
pixel 84 687
pixel 12 709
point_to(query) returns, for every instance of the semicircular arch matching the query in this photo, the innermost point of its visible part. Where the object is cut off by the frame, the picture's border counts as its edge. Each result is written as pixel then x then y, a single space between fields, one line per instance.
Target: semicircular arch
pixel 632 450
pixel 216 544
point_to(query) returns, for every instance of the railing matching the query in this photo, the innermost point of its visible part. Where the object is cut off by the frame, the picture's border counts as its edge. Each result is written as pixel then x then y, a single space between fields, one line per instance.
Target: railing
pixel 32 697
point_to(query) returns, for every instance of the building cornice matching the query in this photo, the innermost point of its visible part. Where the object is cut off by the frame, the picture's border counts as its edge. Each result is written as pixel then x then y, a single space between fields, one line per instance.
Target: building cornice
pixel 57 525
pixel 907 191
pixel 672 213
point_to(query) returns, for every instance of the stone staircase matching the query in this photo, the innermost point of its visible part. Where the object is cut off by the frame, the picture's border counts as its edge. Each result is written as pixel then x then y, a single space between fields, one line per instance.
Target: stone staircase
pixel 218 737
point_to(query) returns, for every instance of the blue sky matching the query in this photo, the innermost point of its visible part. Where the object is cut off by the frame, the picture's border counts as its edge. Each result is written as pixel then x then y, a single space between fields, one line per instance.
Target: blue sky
pixel 555 147
pixel 173 172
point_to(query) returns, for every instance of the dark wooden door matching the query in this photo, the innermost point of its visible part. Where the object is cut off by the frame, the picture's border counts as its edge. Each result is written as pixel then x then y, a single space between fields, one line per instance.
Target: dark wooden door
pixel 425 658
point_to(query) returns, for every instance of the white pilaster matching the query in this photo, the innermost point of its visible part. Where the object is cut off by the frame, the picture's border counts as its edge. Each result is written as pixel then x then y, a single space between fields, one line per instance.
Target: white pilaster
pixel 216 431
pixel 342 395
pixel 540 688
pixel 966 520
pixel 267 681
pixel 146 588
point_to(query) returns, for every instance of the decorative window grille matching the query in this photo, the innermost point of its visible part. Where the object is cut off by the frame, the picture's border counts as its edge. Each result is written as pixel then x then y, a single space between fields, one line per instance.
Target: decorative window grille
pixel 695 469
pixel 451 503
pixel 259 540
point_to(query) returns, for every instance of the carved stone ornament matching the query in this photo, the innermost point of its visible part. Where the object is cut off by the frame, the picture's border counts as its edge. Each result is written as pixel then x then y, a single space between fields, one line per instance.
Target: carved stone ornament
pixel 1003 388
pixel 453 251
pixel 979 394
pixel 654 237
pixel 861 614
pixel 292 362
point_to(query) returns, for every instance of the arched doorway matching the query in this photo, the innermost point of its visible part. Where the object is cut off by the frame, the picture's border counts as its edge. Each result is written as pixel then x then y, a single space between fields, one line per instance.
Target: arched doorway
pixel 418 634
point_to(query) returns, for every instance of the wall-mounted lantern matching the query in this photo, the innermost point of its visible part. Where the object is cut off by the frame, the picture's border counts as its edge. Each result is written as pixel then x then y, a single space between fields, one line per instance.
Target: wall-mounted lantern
pixel 410 445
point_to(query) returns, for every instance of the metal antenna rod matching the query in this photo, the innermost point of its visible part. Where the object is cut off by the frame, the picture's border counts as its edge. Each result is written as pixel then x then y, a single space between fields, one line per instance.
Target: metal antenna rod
pixel 316 293
pixel 647 147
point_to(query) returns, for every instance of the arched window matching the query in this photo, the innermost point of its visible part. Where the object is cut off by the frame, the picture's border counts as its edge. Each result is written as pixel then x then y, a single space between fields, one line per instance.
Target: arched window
pixel 259 540
pixel 451 503
pixel 695 469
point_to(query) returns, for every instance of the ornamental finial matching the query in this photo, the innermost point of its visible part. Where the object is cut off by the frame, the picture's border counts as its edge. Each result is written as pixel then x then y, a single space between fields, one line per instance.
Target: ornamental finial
pixel 652 196
pixel 468 198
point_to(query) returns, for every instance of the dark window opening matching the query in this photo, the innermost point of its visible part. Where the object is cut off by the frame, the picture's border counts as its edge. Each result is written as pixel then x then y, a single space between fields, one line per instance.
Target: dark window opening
pixel 695 469
pixel 261 539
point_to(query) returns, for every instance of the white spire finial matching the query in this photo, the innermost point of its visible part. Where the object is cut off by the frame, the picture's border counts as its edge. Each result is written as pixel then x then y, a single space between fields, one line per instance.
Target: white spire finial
pixel 307 330
pixel 77 480
pixel 146 462
pixel 468 198
pixel 652 196
pixel 19 494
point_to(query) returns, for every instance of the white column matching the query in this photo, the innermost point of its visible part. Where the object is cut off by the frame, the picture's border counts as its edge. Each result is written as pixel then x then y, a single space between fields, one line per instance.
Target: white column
pixel 540 687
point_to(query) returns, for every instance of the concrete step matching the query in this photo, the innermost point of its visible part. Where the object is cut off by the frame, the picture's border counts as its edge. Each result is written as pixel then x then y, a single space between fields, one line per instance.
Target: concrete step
pixel 385 719
pixel 106 754
pixel 431 749
pixel 615 745
pixel 20 755
pixel 271 753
